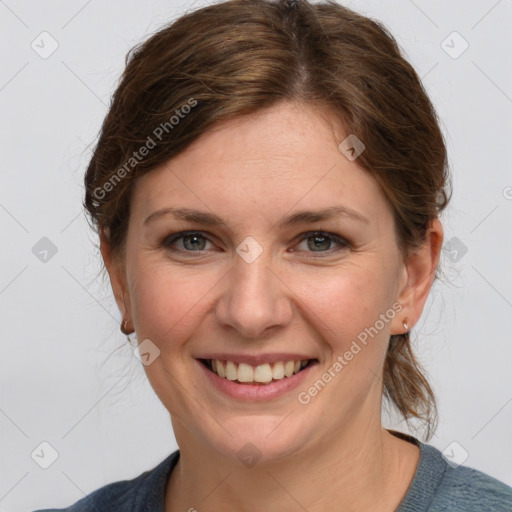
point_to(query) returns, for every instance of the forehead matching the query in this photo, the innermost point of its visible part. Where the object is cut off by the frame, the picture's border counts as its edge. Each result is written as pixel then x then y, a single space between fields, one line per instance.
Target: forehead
pixel 263 164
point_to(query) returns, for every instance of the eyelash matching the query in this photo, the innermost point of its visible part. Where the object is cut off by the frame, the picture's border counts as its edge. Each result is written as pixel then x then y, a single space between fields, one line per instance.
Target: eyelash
pixel 170 239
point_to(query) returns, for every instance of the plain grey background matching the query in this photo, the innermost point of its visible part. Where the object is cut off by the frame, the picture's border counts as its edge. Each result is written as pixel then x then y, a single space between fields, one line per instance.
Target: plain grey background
pixel 67 375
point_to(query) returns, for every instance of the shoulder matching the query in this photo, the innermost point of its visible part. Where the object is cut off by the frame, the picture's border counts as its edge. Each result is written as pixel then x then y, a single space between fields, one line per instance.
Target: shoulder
pixel 442 487
pixel 465 488
pixel 146 490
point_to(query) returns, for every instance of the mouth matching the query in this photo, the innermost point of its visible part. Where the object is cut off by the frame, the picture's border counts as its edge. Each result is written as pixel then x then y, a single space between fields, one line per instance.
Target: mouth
pixel 261 375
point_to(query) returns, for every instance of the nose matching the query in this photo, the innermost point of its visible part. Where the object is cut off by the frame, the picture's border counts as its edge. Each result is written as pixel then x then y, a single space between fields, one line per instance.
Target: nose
pixel 256 300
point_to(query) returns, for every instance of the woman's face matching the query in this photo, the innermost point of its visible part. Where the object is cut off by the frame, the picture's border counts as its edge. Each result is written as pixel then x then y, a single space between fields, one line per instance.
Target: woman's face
pixel 253 284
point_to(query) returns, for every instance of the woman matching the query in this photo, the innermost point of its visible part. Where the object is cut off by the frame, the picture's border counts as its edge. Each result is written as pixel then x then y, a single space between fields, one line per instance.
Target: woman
pixel 267 189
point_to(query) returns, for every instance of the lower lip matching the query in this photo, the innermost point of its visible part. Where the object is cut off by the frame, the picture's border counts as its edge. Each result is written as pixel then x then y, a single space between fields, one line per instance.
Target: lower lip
pixel 255 392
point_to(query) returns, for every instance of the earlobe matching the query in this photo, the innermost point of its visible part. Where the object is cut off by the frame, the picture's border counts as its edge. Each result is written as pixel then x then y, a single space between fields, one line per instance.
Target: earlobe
pixel 420 269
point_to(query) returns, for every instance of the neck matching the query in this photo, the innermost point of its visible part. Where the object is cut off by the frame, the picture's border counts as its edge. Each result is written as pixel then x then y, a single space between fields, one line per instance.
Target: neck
pixel 365 469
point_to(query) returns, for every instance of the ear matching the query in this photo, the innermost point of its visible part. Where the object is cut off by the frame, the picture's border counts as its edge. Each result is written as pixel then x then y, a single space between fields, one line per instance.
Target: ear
pixel 116 272
pixel 418 275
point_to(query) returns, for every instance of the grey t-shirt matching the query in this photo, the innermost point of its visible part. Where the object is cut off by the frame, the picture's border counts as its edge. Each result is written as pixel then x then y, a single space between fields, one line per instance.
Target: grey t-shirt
pixel 436 487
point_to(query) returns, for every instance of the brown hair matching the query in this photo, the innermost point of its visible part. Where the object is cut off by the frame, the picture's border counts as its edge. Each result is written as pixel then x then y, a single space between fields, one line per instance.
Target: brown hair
pixel 240 56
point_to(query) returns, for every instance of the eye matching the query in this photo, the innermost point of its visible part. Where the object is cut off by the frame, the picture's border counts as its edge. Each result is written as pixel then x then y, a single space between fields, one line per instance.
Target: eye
pixel 192 241
pixel 317 241
pixel 195 241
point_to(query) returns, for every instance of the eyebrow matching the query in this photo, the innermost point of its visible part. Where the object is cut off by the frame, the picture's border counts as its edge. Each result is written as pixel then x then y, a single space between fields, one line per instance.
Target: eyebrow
pixel 300 217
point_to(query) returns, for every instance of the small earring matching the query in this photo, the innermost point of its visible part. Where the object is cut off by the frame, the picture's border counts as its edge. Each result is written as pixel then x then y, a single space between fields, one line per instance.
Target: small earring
pixel 131 337
pixel 406 327
pixel 124 326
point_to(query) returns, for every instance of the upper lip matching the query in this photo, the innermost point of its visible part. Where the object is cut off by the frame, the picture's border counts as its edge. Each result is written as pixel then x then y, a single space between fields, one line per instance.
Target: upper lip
pixel 256 360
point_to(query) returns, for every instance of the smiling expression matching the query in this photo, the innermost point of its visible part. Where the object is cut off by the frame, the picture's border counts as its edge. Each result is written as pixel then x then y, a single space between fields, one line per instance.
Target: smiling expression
pixel 309 285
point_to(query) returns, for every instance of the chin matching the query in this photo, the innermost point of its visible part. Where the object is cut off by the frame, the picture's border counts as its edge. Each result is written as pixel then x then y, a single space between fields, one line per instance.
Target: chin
pixel 260 439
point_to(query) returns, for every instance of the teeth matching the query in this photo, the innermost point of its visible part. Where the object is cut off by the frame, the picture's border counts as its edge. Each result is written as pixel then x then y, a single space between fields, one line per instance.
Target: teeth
pixel 288 368
pixel 245 373
pixel 278 370
pixel 263 373
pixel 221 371
pixel 231 372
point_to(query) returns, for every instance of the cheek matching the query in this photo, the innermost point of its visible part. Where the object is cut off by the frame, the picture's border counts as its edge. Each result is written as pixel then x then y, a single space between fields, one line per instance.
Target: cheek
pixel 345 305
pixel 167 300
pixel 345 301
